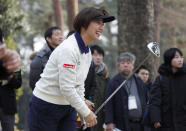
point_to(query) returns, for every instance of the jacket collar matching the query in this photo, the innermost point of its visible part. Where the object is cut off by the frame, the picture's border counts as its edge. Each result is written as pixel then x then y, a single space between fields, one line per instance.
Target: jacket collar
pixel 81 44
pixel 48 50
pixel 140 86
pixel 49 46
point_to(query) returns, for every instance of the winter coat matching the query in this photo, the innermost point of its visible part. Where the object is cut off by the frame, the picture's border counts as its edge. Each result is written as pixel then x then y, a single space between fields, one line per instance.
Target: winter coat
pixel 168 99
pixel 116 110
pixel 148 86
pixel 102 79
pixel 38 64
pixel 7 94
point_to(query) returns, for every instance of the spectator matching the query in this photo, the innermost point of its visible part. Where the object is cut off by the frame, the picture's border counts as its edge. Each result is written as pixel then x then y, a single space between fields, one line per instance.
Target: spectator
pixel 143 72
pixel 168 99
pixel 8 106
pixel 53 37
pixel 60 90
pixel 9 59
pixel 127 106
pixel 102 77
pixel 10 79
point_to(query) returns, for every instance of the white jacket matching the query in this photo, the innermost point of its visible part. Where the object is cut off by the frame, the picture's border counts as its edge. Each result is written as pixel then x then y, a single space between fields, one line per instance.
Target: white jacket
pixel 62 81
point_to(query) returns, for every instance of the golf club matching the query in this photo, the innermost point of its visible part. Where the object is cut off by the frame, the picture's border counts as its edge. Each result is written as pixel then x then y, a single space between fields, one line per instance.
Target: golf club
pixel 154 48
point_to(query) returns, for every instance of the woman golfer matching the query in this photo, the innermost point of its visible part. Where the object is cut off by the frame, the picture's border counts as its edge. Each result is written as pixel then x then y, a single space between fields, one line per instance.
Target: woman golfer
pixel 60 91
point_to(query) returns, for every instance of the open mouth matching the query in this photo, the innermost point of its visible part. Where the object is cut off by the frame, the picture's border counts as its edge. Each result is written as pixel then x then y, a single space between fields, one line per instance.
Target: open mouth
pixel 98 34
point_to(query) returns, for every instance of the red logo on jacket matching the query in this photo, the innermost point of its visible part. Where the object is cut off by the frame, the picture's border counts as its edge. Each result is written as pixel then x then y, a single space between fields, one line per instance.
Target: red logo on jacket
pixel 69 66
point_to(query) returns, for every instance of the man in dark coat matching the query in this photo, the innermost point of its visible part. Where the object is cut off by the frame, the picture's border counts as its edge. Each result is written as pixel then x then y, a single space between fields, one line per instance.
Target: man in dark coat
pixel 10 79
pixel 8 106
pixel 126 108
pixel 53 37
pixel 90 82
pixel 143 72
pixel 102 78
pixel 168 94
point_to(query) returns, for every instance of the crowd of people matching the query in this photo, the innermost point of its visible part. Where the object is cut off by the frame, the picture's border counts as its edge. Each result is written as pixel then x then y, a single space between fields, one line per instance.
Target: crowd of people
pixel 68 79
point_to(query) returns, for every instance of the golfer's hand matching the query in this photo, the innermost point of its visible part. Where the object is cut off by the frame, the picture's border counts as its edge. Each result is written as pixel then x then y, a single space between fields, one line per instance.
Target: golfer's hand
pixel 157 125
pixel 90 120
pixel 90 105
pixel 110 127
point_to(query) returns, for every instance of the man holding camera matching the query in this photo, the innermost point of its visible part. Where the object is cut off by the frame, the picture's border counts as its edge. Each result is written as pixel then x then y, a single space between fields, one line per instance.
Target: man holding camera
pixel 11 59
pixel 10 79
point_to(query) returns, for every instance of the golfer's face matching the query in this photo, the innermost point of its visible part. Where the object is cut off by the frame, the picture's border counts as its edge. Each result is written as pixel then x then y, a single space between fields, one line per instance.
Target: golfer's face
pixel 126 67
pixel 95 29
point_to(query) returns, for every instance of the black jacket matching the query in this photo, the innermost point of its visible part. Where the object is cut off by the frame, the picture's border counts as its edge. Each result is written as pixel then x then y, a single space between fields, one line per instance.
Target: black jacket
pixel 8 96
pixel 38 64
pixel 168 99
pixel 148 86
pixel 90 83
pixel 116 110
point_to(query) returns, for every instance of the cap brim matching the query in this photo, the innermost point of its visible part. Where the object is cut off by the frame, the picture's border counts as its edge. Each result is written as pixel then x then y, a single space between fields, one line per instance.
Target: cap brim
pixel 106 18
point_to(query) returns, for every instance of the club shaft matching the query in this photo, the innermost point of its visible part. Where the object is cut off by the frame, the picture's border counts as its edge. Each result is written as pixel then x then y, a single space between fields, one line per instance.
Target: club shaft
pixel 106 101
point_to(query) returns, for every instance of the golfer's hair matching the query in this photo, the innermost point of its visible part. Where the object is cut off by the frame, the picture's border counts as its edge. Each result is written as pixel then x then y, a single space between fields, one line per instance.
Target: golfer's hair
pixel 127 56
pixel 70 33
pixel 86 15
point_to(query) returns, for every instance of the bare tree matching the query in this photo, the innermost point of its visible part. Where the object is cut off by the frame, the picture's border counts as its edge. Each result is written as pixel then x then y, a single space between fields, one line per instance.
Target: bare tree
pixel 58 14
pixel 136 29
pixel 72 10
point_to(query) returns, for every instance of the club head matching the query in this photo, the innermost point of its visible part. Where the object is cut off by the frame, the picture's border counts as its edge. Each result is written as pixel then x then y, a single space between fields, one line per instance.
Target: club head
pixel 154 48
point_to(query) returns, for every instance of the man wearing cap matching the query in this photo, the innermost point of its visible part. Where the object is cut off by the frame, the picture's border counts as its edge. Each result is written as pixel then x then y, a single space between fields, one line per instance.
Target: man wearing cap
pixel 125 110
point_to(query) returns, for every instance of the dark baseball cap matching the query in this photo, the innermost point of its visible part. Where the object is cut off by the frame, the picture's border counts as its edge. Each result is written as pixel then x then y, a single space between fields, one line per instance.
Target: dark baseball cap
pixel 106 18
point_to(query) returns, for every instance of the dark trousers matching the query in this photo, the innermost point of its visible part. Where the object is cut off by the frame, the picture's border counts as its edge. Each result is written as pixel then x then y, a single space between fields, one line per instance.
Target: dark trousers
pixel 147 128
pixel 7 121
pixel 163 129
pixel 88 129
pixel 44 116
pixel 136 126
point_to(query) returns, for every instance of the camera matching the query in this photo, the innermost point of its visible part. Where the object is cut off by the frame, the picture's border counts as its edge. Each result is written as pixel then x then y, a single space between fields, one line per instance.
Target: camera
pixel 4 75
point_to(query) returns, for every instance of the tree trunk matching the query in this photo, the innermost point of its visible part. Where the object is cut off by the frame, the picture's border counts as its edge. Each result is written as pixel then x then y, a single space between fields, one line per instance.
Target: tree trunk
pixel 49 22
pixel 157 10
pixel 72 10
pixel 136 30
pixel 58 14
